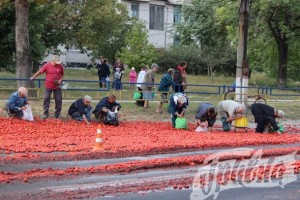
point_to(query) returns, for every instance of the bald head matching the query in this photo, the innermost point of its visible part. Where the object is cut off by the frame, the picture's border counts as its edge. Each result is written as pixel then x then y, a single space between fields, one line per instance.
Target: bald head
pixel 22 91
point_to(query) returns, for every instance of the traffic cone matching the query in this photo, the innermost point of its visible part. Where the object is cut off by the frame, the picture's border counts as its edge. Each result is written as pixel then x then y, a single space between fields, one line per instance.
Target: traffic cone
pixel 99 142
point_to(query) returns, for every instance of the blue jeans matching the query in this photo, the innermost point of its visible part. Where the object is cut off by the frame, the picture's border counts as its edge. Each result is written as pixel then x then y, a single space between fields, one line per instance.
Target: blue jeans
pixel 117 84
pixel 57 99
pixel 77 116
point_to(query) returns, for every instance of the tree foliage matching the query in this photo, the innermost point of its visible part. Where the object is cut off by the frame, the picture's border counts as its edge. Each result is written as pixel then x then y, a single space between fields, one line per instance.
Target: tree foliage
pixel 7 38
pixel 137 51
pixel 102 27
pixel 203 24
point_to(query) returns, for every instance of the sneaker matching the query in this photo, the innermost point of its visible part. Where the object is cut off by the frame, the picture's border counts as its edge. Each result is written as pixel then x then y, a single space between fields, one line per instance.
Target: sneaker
pixel 45 116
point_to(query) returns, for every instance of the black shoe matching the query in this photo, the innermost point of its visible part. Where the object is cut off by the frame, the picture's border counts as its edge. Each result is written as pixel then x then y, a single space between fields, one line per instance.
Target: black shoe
pixel 45 116
pixel 56 116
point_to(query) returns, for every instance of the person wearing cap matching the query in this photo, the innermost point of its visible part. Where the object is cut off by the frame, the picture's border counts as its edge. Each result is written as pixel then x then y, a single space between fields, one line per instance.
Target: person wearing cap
pixel 17 103
pixel 106 104
pixel 177 106
pixel 230 110
pixel 148 84
pixel 165 83
pixel 206 115
pixel 132 78
pixel 54 76
pixel 264 116
pixel 81 109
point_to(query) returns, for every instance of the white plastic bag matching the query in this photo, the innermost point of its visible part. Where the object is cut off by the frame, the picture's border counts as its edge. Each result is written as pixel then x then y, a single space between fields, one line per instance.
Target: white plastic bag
pixel 27 114
pixel 200 129
pixel 64 86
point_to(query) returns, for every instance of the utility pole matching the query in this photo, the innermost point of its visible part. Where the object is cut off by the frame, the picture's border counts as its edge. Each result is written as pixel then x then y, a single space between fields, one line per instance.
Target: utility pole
pixel 242 65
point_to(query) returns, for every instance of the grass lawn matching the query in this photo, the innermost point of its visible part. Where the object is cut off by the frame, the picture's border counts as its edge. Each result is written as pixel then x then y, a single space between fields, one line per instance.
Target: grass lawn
pixel 130 111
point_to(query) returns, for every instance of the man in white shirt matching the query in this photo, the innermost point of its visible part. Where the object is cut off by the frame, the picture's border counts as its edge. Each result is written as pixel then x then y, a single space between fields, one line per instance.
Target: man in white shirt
pixel 229 111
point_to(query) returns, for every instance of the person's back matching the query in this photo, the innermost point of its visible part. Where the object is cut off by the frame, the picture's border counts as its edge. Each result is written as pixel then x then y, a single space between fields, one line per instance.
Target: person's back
pixel 165 82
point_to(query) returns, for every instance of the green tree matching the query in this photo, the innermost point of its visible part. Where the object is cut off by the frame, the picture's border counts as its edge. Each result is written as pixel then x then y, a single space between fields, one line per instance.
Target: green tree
pixel 137 51
pixel 202 26
pixel 279 20
pixel 102 27
pixel 7 38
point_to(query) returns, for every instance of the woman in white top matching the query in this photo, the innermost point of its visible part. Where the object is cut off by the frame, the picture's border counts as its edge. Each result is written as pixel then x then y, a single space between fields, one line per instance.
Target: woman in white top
pixel 140 79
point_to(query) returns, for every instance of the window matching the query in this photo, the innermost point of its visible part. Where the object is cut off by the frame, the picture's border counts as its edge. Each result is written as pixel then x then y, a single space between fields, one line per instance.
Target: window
pixel 135 10
pixel 156 17
pixel 177 15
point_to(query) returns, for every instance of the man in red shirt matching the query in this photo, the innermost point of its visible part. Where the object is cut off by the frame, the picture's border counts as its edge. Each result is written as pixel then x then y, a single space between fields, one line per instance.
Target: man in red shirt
pixel 54 76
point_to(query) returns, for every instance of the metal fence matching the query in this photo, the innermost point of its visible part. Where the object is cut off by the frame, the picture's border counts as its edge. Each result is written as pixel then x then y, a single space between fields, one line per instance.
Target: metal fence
pixel 203 92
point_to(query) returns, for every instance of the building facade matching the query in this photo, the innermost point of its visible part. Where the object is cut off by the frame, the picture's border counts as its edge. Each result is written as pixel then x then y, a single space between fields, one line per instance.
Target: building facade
pixel 159 15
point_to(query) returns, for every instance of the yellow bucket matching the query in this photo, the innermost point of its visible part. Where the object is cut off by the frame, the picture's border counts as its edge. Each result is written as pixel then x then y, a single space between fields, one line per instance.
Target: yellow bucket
pixel 241 122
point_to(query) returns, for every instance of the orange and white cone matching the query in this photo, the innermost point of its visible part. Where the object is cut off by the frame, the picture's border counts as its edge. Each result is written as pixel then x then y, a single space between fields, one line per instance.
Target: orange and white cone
pixel 99 142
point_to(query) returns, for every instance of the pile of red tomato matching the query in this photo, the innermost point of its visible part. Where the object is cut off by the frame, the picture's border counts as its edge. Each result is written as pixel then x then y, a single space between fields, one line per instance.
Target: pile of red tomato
pixel 68 140
pixel 17 136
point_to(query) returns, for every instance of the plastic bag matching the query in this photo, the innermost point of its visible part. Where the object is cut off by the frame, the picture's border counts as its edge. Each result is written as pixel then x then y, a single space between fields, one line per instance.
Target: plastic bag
pixel 136 95
pixel 27 114
pixel 64 86
pixel 200 129
pixel 181 123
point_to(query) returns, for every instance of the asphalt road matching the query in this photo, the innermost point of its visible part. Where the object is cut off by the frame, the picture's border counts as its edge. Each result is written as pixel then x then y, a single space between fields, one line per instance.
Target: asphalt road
pixel 291 191
pixel 131 186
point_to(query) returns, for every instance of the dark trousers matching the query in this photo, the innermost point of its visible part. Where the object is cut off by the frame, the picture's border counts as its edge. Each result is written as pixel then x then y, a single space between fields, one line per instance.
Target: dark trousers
pixel 57 99
pixel 178 88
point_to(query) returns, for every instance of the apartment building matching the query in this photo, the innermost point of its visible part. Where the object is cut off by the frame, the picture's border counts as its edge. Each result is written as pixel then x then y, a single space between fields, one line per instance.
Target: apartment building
pixel 159 15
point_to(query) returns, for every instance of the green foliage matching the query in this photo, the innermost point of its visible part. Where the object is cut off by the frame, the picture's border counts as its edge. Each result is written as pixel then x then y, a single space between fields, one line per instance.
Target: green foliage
pixel 273 37
pixel 102 27
pixel 170 58
pixel 7 38
pixel 137 51
pixel 49 25
pixel 209 25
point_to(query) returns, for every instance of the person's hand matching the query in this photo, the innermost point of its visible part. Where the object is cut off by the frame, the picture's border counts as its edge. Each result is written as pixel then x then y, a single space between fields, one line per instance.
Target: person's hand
pixel 23 108
pixel 203 124
pixel 88 123
pixel 182 83
pixel 31 78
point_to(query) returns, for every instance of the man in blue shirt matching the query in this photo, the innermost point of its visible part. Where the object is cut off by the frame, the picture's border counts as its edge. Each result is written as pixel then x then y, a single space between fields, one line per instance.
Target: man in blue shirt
pixel 106 104
pixel 206 115
pixel 17 103
pixel 81 109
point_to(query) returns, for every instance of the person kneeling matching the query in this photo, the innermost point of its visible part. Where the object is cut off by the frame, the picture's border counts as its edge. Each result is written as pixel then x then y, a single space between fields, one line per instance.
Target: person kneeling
pixel 107 105
pixel 81 109
pixel 206 116
pixel 17 105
